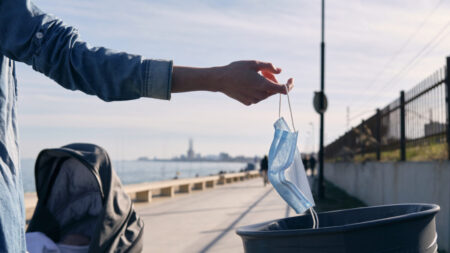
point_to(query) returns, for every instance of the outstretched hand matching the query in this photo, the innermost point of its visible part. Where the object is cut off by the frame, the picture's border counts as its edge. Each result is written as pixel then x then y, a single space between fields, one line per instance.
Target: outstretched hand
pixel 252 81
pixel 248 82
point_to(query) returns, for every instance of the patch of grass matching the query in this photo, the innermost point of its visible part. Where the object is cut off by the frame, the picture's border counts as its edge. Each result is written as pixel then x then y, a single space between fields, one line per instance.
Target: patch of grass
pixel 365 157
pixel 428 151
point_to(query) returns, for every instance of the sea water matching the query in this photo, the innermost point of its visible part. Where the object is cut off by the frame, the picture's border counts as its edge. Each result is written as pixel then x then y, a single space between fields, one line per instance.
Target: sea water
pixel 132 172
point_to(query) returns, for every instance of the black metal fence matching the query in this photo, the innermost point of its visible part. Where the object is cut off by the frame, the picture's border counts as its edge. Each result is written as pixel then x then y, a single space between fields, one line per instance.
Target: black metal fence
pixel 413 125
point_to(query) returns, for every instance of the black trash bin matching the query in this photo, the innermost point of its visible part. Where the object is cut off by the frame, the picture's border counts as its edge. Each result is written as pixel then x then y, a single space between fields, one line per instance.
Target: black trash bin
pixel 391 228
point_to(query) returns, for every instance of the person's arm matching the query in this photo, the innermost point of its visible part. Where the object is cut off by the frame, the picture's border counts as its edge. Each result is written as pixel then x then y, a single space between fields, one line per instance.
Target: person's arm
pixel 29 35
pixel 239 80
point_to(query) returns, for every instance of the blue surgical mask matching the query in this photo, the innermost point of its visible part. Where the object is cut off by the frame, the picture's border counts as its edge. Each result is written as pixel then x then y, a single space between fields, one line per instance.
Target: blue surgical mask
pixel 285 160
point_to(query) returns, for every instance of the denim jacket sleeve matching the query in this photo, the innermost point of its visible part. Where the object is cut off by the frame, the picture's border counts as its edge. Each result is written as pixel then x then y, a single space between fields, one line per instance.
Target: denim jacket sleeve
pixel 29 35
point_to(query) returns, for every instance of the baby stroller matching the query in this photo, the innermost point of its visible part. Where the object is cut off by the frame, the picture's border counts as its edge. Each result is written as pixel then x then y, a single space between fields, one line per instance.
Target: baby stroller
pixel 80 195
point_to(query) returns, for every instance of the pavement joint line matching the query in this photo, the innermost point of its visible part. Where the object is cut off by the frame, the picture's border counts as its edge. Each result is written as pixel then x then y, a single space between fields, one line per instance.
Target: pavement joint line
pixel 231 226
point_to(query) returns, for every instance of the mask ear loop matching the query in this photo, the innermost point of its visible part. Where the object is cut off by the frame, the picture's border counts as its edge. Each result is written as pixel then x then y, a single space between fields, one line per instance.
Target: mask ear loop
pixel 279 107
pixel 314 216
pixel 290 109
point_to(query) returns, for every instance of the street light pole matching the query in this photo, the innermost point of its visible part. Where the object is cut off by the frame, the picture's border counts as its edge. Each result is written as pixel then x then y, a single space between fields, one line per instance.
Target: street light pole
pixel 321 190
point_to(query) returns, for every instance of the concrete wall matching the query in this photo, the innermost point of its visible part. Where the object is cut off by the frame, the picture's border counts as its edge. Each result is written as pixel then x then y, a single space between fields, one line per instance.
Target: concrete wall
pixel 379 183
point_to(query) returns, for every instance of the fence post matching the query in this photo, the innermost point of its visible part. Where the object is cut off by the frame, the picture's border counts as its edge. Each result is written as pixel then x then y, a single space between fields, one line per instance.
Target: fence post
pixel 378 134
pixel 447 103
pixel 402 127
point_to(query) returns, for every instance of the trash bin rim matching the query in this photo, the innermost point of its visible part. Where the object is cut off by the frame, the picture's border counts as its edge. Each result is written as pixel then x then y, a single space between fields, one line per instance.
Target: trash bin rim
pixel 249 229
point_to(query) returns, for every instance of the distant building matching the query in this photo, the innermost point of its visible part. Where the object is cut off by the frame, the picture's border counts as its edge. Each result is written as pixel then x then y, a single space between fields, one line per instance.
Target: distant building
pixel 433 128
pixel 143 158
pixel 190 152
pixel 211 157
pixel 224 156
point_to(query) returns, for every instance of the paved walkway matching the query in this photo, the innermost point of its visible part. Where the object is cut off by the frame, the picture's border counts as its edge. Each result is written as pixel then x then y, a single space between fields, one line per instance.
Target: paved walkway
pixel 206 221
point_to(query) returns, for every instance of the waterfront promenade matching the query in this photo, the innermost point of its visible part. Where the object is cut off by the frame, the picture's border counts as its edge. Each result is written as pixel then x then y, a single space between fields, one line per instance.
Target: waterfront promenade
pixel 205 221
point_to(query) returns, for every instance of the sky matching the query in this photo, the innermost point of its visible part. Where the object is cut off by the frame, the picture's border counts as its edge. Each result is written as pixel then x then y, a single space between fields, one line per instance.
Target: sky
pixel 374 49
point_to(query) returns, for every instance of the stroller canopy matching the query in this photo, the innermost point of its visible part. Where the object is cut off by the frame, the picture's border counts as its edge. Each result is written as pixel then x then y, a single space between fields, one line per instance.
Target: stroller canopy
pixel 80 194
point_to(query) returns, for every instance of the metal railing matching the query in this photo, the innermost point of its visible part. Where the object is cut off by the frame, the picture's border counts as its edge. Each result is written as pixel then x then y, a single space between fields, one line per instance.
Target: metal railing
pixel 415 122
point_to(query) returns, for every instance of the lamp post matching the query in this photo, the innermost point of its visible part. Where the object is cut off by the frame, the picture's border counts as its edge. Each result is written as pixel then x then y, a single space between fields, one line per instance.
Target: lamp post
pixel 321 190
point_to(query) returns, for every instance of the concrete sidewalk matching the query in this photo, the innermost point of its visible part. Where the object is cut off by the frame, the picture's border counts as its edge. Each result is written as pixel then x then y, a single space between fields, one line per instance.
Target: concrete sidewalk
pixel 206 221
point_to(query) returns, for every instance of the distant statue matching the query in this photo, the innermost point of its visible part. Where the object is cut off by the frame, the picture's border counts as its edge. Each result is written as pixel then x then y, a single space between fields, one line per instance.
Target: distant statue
pixel 264 168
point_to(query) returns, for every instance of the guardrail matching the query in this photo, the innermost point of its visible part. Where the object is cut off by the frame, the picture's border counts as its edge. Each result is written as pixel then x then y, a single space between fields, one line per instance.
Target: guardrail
pixel 144 192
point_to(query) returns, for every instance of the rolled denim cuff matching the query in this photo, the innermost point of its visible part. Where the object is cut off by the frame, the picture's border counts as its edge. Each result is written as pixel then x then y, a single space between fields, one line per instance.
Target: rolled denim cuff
pixel 157 79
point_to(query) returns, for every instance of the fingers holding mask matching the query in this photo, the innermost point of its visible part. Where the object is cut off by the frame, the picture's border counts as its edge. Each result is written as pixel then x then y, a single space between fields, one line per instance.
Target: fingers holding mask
pixel 270 90
pixel 276 88
pixel 250 82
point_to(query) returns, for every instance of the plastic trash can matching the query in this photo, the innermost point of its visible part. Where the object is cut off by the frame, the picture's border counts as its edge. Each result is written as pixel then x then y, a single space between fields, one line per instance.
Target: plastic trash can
pixel 390 228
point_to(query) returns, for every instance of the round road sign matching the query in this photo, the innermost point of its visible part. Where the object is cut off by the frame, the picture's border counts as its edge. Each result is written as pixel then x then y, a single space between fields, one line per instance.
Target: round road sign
pixel 318 95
